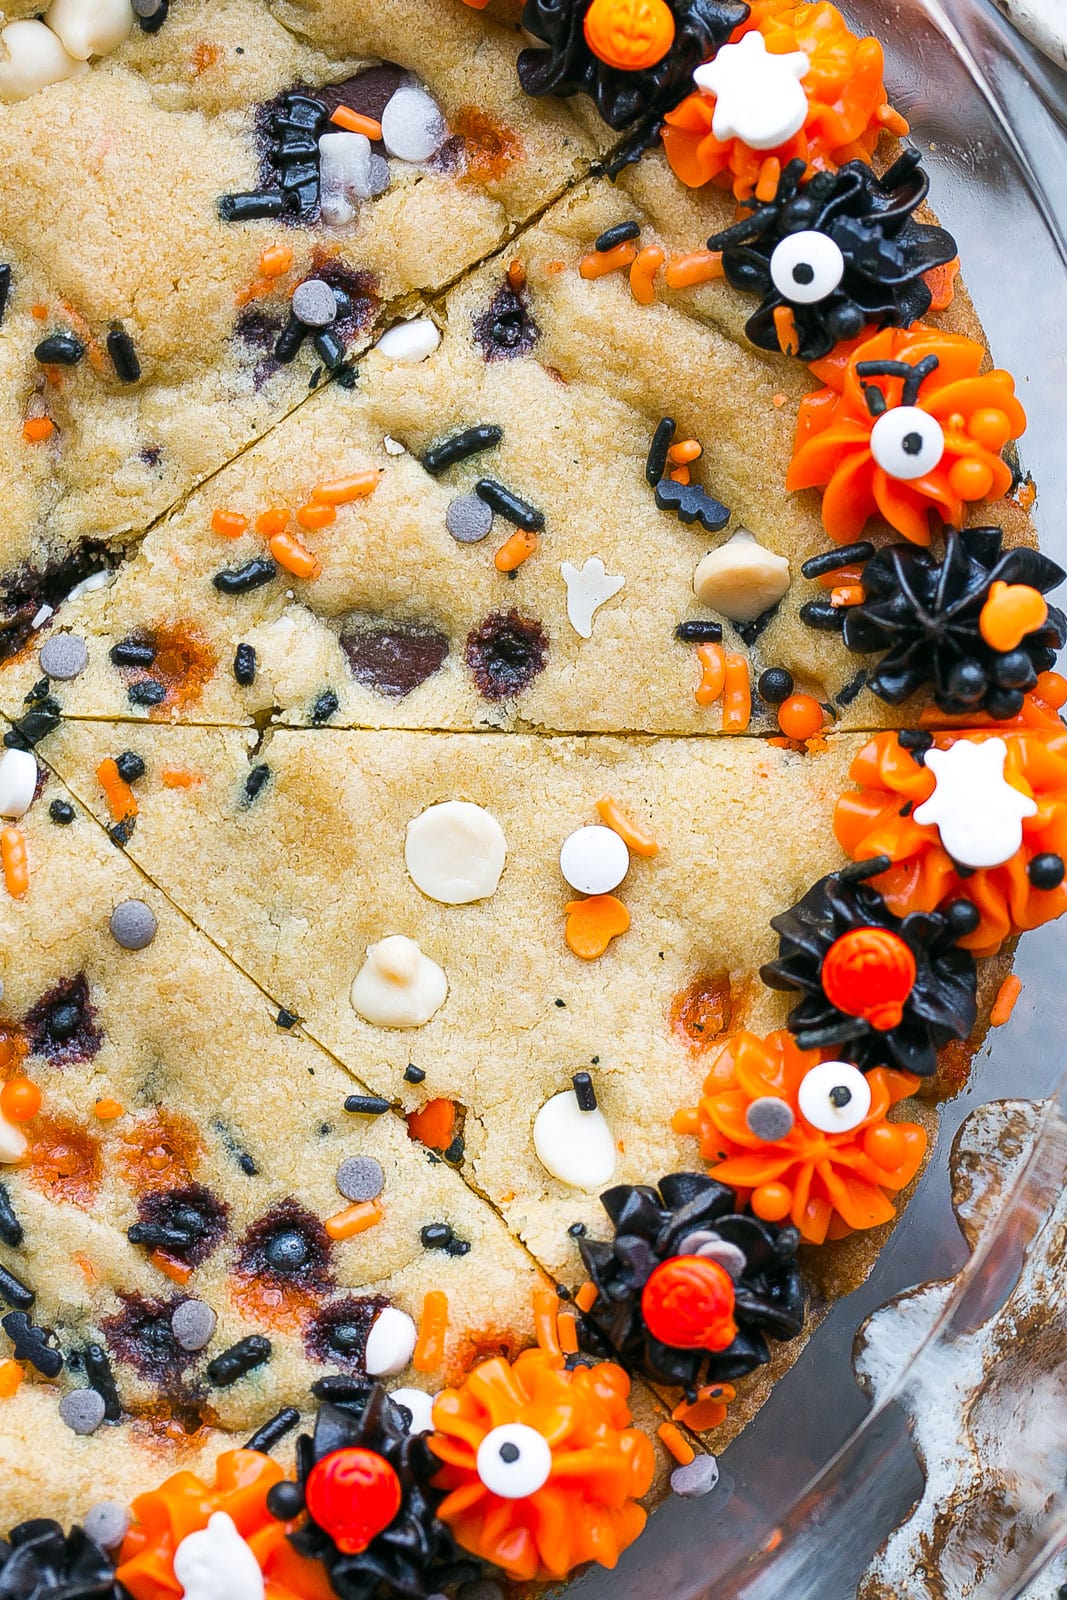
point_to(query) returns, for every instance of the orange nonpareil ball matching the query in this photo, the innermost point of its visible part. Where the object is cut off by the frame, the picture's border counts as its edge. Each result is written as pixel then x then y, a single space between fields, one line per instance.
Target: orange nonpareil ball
pixel 20 1100
pixel 800 717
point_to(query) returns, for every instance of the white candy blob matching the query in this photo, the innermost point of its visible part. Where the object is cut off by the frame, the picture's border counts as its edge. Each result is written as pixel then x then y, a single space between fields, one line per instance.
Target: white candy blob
pixel 574 1146
pixel 390 1343
pixel 975 809
pixel 18 780
pixel 397 986
pixel 454 852
pixel 759 99
pixel 420 1404
pixel 514 1460
pixel 90 27
pixel 32 57
pixel 594 860
pixel 413 128
pixel 410 342
pixel 215 1563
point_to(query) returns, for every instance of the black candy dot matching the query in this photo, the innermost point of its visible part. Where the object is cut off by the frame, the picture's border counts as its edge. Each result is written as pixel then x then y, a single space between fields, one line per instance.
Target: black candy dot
pixel 1046 871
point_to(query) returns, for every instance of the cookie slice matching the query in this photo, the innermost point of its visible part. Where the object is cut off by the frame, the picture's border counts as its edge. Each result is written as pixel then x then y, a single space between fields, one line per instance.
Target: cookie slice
pixel 199 1272
pixel 150 328
pixel 475 541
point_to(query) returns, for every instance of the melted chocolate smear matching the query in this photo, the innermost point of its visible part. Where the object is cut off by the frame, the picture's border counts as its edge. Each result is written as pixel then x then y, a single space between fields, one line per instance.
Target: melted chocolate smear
pixel 287 1246
pixel 506 328
pixel 337 1335
pixel 62 1025
pixel 187 1223
pixel 141 1335
pixel 505 653
pixel 367 92
pixel 27 588
pixel 393 657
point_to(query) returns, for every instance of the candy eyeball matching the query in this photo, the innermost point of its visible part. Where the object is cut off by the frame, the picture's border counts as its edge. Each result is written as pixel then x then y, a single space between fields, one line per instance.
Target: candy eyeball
pixel 807 267
pixel 834 1097
pixel 907 443
pixel 514 1461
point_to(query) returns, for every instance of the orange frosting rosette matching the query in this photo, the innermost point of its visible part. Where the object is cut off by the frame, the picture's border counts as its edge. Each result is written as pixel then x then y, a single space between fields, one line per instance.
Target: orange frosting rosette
pixel 868 823
pixel 977 411
pixel 183 1504
pixel 847 105
pixel 585 1510
pixel 827 1184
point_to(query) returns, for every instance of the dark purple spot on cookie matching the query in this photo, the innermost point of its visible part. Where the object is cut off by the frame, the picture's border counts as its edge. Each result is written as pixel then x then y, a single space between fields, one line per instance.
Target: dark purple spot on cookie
pixel 150 454
pixel 393 657
pixel 141 1335
pixel 26 589
pixel 258 328
pixel 186 1223
pixel 506 328
pixel 505 653
pixel 355 289
pixel 62 1025
pixel 288 1246
pixel 338 1333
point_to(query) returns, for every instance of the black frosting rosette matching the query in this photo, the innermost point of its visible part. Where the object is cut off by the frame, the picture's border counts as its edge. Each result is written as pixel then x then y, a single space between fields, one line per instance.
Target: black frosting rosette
pixel 415 1555
pixel 38 1561
pixel 923 612
pixel 566 65
pixel 940 1004
pixel 690 1215
pixel 866 268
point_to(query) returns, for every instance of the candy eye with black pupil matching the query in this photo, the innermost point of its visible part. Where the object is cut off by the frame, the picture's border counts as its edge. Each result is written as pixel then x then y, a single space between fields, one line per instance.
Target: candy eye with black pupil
pixel 806 267
pixel 514 1460
pixel 834 1097
pixel 907 443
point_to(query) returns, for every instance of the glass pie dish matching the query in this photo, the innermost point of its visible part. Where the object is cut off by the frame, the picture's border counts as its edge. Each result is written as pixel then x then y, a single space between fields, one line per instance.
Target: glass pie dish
pixel 969 1376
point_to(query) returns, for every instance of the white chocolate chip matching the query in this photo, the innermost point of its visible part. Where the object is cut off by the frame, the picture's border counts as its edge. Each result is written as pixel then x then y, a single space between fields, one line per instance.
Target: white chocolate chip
pixel 215 1563
pixel 573 1145
pixel 13 1142
pixel 390 1343
pixel 977 812
pixel 588 586
pixel 420 1404
pixel 90 27
pixel 594 860
pixel 741 579
pixel 410 342
pixel 454 852
pixel 32 57
pixel 18 782
pixel 412 125
pixel 397 986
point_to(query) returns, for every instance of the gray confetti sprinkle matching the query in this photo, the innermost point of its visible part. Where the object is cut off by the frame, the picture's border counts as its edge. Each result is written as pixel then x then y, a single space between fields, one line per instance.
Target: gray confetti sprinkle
pixel 360 1178
pixel 314 303
pixel 133 924
pixel 192 1324
pixel 82 1410
pixel 468 519
pixel 106 1523
pixel 379 177
pixel 63 657
pixel 769 1118
pixel 697 1477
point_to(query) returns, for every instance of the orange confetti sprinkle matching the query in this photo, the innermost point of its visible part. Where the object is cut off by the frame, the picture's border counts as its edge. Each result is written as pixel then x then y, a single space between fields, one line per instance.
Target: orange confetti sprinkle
pixel 598 263
pixel 35 430
pixel 516 549
pixel 685 451
pixel 289 553
pixel 1004 1004
pixel 643 271
pixel 356 122
pixel 11 1375
pixel 612 815
pixel 339 491
pixel 107 1109
pixel 15 861
pixel 674 1440
pixel 593 923
pixel 356 1218
pixel 434 1124
pixel 433 1326
pixel 121 800
pixel 708 1410
pixel 276 260
pixel 699 266
pixel 179 778
pixel 177 1271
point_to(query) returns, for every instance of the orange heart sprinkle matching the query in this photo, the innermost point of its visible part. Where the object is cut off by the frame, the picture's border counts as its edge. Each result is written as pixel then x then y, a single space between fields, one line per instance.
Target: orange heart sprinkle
pixel 593 923
pixel 1012 611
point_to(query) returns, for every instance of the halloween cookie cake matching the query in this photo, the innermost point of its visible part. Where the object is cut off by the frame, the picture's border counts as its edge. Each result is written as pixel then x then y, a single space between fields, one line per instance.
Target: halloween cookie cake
pixel 442 1091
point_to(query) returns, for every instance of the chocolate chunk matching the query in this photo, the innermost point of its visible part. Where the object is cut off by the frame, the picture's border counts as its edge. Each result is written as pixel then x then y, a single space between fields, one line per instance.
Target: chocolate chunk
pixel 393 657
